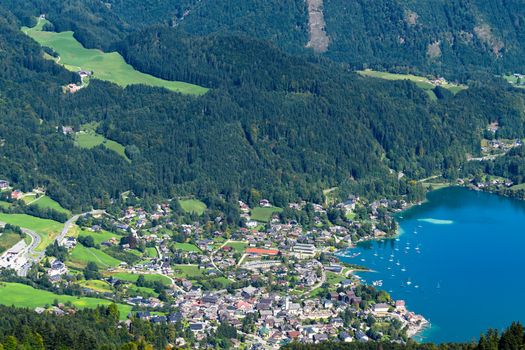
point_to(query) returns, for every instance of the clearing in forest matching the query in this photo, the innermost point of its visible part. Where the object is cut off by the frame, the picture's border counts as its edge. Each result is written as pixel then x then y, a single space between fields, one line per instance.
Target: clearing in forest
pixel 105 66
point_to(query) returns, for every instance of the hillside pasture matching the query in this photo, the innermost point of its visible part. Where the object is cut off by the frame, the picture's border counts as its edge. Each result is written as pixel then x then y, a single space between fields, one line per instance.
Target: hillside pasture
pixel 21 295
pixel 81 256
pixel 264 214
pixel 421 82
pixel 90 139
pixel 132 277
pixel 46 202
pixel 192 206
pixel 105 66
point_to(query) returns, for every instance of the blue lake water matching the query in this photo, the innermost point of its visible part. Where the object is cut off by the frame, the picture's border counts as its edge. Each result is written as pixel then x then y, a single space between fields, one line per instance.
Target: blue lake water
pixel 459 262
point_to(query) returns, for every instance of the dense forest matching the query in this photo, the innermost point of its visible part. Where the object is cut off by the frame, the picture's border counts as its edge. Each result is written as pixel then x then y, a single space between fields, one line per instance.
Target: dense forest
pixel 88 329
pixel 94 329
pixel 279 125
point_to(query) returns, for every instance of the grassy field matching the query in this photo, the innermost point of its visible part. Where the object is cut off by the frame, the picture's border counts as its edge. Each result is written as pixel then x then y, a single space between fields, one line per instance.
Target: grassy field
pixel 192 205
pixel 187 247
pixel 131 277
pixel 46 202
pixel 151 252
pixel 97 286
pixel 106 66
pixel 5 205
pixel 7 240
pixel 264 214
pixel 46 229
pixel 187 271
pixel 21 295
pixel 99 237
pixel 421 82
pixel 513 81
pixel 518 187
pixel 80 256
pixel 88 138
pixel 238 246
pixel 29 198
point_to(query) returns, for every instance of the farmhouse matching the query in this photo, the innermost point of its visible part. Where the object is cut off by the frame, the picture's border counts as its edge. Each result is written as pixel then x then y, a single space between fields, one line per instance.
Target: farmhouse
pixel 4 184
pixel 72 88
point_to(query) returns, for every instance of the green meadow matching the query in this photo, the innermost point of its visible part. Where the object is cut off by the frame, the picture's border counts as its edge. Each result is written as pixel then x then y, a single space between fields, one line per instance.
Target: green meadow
pixel 106 66
pixel 421 82
pixel 21 295
pixel 97 286
pixel 132 277
pixel 187 271
pixel 45 202
pixel 187 247
pixel 7 240
pixel 264 214
pixel 151 252
pixel 192 206
pixel 238 246
pixel 100 236
pixel 88 138
pixel 80 256
pixel 45 228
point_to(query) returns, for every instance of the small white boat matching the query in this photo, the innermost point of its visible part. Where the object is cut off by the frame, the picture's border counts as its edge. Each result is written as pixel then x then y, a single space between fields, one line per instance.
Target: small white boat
pixel 409 283
pixel 398 263
pixel 403 269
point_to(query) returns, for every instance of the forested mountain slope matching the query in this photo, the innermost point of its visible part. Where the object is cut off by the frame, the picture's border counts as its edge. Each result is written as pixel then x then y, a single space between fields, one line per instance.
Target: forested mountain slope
pixel 285 126
pixel 440 36
pixel 454 38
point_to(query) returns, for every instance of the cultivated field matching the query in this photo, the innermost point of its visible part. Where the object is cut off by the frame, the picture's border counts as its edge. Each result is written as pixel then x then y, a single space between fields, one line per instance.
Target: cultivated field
pixel 21 295
pixel 106 66
pixel 45 228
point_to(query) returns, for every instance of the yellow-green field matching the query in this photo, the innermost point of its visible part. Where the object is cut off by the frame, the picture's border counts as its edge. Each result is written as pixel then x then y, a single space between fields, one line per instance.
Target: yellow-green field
pixel 192 206
pixel 21 295
pixel 264 214
pixel 97 286
pixel 48 203
pixel 46 229
pixel 514 81
pixel 7 240
pixel 98 237
pixel 422 82
pixel 80 256
pixel 106 66
pixel 132 277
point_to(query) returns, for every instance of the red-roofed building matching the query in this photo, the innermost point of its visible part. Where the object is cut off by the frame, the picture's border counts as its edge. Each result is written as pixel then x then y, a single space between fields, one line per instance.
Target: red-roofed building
pixel 260 251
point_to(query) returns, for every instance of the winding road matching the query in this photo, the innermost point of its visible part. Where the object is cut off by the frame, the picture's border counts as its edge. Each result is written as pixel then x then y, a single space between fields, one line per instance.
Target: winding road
pixel 32 255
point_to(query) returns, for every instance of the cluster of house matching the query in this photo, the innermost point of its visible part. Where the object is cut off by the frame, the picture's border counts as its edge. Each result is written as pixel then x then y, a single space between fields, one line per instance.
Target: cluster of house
pixel 277 319
pixel 500 146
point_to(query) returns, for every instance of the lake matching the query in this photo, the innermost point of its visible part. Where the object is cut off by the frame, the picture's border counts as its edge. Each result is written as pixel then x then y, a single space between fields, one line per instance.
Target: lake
pixel 458 261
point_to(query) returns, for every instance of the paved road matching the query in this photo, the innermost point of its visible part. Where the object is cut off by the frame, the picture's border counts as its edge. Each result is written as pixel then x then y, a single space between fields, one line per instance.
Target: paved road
pixel 34 256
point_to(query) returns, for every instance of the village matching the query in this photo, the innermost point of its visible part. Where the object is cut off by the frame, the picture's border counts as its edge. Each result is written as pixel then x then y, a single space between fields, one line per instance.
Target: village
pixel 274 281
